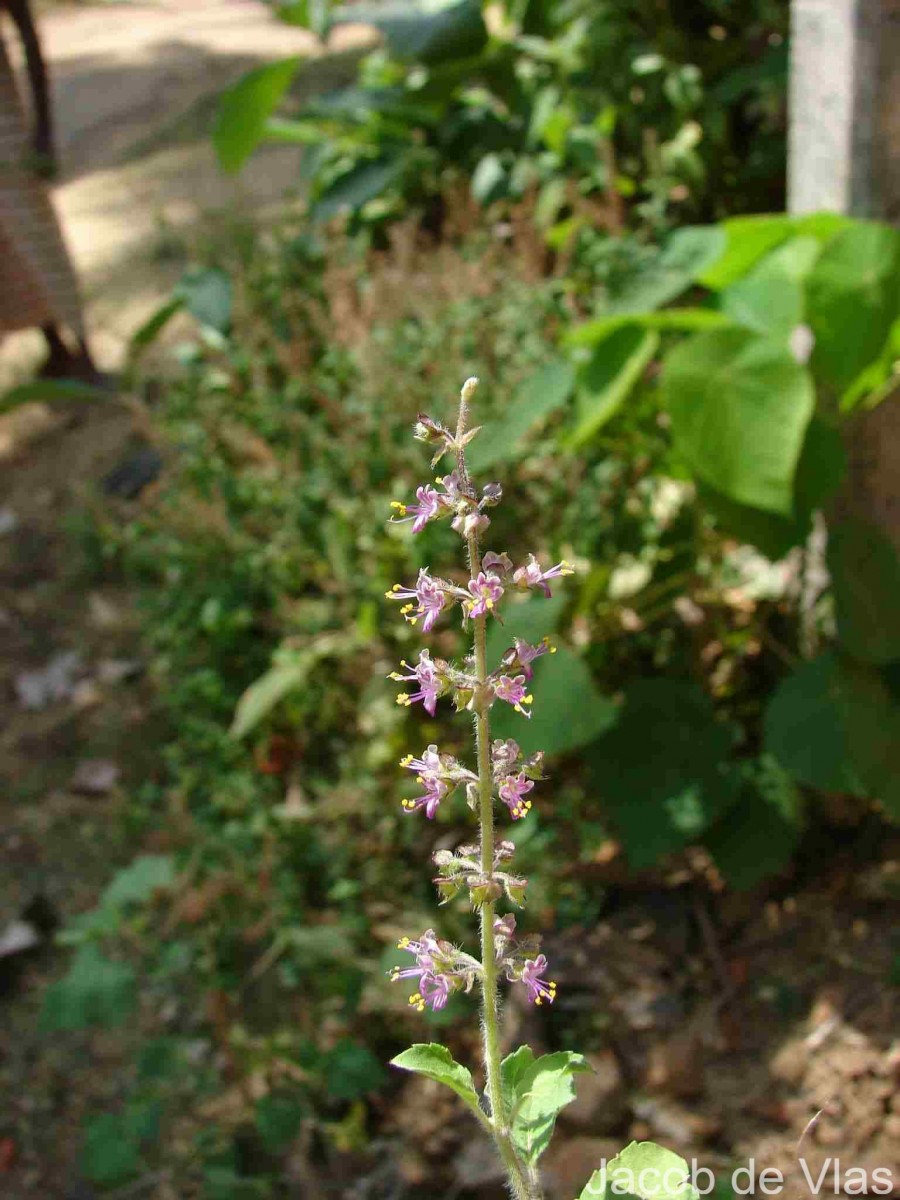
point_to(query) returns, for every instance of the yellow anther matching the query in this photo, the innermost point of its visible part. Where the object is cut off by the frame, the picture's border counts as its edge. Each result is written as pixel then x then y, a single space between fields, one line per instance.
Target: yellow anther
pixel 407 758
pixel 401 945
pixel 404 700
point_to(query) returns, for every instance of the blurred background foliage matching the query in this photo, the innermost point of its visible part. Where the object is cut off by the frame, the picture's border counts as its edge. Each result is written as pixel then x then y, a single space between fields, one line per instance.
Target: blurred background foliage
pixel 600 114
pixel 558 198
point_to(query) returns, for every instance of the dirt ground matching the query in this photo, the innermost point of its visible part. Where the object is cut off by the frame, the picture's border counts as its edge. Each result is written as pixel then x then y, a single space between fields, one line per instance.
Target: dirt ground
pixel 731 1029
pixel 134 89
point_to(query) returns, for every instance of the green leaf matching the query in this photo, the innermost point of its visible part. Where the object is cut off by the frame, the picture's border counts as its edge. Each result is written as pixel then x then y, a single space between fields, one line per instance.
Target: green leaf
pixel 853 295
pixel 428 31
pixel 662 800
pixel 740 407
pixel 269 690
pixel 351 1070
pixel 568 710
pixel 793 260
pixel 822 465
pixel 607 380
pixel 314 15
pixel 50 391
pixel 95 991
pixel 436 1062
pixel 289 672
pixel 207 294
pixel 244 109
pixel 746 241
pixel 765 305
pixel 773 535
pixel 535 1093
pixel 278 1120
pixel 137 882
pixel 758 835
pixel 366 181
pixel 512 1070
pixel 681 320
pixel 111 1154
pixel 865 578
pixel 142 1120
pixel 157 1059
pixel 540 395
pixel 804 727
pixel 683 259
pixel 297 133
pixel 872 722
pixel 642 1170
pixel 154 325
pixel 489 179
pixel 877 380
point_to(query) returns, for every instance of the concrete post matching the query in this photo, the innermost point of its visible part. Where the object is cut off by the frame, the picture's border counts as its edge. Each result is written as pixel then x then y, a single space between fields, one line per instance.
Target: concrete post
pixel 844 156
pixel 844 144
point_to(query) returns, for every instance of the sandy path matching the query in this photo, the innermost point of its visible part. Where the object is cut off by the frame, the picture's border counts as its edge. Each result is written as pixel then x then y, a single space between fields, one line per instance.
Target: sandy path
pixel 134 87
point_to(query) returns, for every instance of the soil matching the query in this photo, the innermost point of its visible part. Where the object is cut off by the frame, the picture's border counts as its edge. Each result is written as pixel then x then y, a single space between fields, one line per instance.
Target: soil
pixel 731 1029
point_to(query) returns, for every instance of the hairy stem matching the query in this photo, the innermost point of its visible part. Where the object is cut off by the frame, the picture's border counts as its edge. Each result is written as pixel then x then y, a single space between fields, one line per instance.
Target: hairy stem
pixel 522 1181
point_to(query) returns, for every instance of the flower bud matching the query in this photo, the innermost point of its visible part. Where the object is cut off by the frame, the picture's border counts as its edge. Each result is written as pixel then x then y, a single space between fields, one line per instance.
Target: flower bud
pixel 447 888
pixel 482 890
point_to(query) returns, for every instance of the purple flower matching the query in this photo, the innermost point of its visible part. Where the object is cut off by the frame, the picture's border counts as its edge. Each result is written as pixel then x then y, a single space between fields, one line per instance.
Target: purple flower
pixel 531 574
pixel 427 950
pixel 525 653
pixel 469 523
pixel 504 932
pixel 434 991
pixel 430 764
pixel 504 756
pixel 500 564
pixel 429 598
pixel 431 502
pixel 427 676
pixel 439 969
pixel 439 774
pixel 512 690
pixel 486 590
pixel 435 791
pixel 538 989
pixel 513 791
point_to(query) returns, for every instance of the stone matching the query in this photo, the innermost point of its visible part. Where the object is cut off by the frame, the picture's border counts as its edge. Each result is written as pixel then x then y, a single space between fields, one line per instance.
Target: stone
pixel 48 684
pixel 675 1066
pixel 673 1122
pixel 570 1162
pixel 601 1103
pixel 95 777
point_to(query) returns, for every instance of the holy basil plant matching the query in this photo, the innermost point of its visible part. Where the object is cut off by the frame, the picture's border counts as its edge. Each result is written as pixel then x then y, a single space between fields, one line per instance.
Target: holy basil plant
pixel 523 1094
